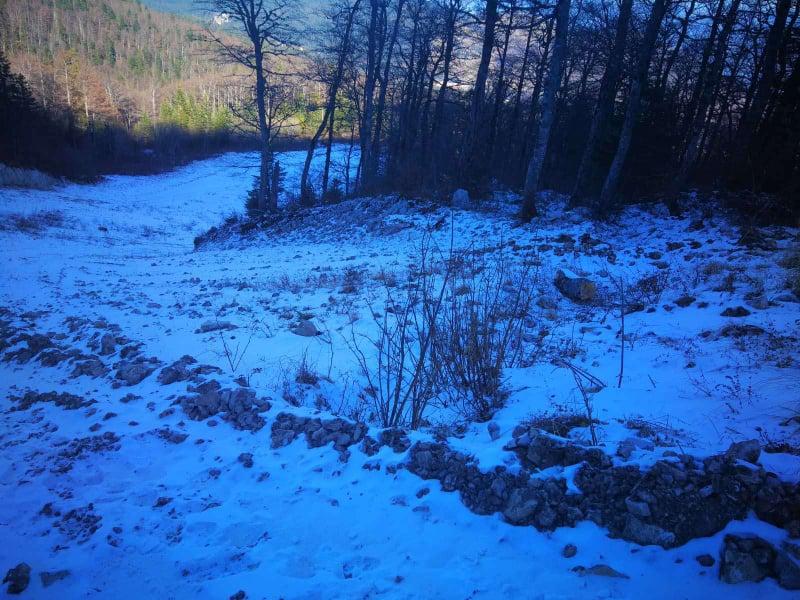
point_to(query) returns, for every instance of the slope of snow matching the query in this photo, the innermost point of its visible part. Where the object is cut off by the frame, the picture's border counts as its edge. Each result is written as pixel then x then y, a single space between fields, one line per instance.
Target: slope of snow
pixel 299 523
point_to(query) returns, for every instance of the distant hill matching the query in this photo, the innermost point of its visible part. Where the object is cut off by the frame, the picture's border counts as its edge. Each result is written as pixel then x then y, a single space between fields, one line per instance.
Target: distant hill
pixel 185 8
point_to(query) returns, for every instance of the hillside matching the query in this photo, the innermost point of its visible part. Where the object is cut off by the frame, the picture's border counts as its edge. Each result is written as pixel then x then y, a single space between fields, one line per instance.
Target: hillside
pixel 110 60
pixel 200 424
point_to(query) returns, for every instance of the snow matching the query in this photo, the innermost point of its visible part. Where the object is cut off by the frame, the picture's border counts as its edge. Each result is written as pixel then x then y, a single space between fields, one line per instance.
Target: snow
pixel 122 250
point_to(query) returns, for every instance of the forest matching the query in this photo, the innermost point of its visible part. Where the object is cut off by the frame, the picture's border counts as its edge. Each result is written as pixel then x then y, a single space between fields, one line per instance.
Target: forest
pixel 604 100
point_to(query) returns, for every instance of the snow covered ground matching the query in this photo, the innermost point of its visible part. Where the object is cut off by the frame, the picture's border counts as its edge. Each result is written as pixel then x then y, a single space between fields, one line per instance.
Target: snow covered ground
pixel 136 515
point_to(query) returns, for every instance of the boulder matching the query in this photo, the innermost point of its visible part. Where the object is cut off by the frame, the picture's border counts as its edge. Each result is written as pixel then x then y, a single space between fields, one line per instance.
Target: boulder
pixel 577 289
pixel 748 451
pixel 305 328
pixel 745 559
pixel 18 578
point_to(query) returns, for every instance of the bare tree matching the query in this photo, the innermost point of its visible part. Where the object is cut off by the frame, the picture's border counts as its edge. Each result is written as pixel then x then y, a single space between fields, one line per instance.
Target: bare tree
pixel 270 31
pixel 534 171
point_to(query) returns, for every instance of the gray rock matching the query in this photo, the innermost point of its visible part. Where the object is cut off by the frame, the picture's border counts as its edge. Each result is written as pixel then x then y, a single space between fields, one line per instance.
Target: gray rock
pixel 569 551
pixel 647 534
pixel 131 373
pixel 108 344
pixel 461 199
pixel 629 445
pixel 494 430
pixel 599 570
pixel 745 559
pixel 787 566
pixel 577 289
pixel 748 451
pixel 18 578
pixel 209 326
pixel 246 458
pixel 50 577
pixel 639 509
pixel 305 328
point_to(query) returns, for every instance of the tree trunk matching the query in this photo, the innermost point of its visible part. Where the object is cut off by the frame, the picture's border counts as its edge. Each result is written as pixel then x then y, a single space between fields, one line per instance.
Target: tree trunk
pixel 609 191
pixel 534 171
pixel 587 170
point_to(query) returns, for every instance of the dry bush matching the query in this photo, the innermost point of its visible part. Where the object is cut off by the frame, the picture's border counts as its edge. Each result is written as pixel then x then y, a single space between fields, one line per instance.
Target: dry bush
pixel 446 335
pixel 401 379
pixel 480 330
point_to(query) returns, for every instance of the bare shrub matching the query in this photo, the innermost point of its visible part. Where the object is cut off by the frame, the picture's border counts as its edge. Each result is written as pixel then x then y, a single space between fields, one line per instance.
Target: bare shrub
pixel 401 379
pixel 479 330
pixel 446 335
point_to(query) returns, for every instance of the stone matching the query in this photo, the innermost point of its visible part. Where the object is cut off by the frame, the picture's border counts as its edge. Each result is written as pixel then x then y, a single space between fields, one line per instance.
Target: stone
pixel 108 344
pixel 177 371
pixel 630 445
pixel 48 578
pixel 577 289
pixel 639 509
pixel 569 551
pixel 685 301
pixel 600 570
pixel 210 326
pixel 494 430
pixel 738 311
pixel 18 578
pixel 745 559
pixel 748 451
pixel 305 328
pixel 461 199
pixel 131 373
pixel 246 459
pixel 705 560
pixel 787 566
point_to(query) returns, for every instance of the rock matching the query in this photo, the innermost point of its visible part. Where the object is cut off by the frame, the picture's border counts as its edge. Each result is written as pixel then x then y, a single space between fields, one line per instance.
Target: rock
pixel 177 371
pixel 18 578
pixel 494 430
pixel 647 534
pixel 577 289
pixel 748 451
pixel 131 373
pixel 787 566
pixel 91 367
pixel 246 459
pixel 50 577
pixel 629 445
pixel 395 438
pixel 209 326
pixel 305 328
pixel 240 595
pixel 705 560
pixel 685 301
pixel 639 509
pixel 521 507
pixel 744 559
pixel 569 551
pixel 108 344
pixel 461 199
pixel 162 501
pixel 600 570
pixel 738 311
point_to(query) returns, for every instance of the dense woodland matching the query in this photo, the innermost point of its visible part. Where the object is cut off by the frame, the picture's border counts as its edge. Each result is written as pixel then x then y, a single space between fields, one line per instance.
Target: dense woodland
pixel 604 100
pixel 600 99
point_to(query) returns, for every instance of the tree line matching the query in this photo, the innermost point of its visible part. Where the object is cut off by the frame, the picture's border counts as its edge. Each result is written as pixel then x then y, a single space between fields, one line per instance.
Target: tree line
pixel 604 100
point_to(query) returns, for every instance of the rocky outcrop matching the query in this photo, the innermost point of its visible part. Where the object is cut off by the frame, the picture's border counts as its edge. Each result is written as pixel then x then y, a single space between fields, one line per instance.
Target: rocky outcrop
pixel 239 406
